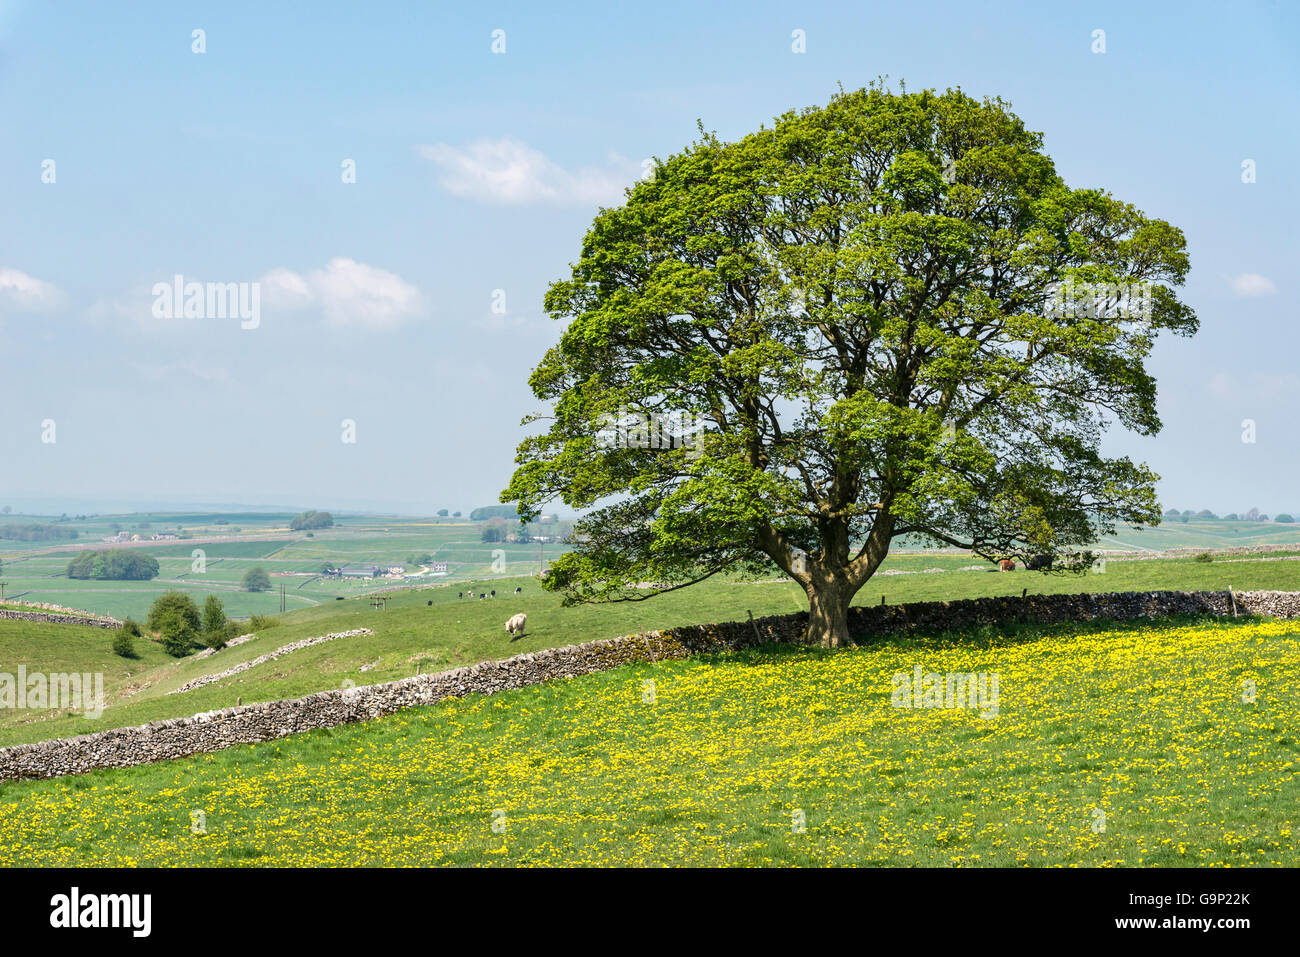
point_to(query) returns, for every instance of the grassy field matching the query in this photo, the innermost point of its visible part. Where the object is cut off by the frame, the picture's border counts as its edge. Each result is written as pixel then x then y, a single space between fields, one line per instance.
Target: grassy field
pixel 36 571
pixel 1110 746
pixel 410 633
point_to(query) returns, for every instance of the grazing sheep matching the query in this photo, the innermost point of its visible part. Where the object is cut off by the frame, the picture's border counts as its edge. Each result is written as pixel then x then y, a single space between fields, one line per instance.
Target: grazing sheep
pixel 515 626
pixel 460 594
pixel 518 591
pixel 494 593
pixel 431 604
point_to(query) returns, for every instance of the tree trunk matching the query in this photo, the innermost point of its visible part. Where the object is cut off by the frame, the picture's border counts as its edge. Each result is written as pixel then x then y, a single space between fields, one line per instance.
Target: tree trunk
pixel 828 615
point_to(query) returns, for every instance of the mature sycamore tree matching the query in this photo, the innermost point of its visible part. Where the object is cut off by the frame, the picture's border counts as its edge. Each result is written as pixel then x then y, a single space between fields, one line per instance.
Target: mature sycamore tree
pixel 862 306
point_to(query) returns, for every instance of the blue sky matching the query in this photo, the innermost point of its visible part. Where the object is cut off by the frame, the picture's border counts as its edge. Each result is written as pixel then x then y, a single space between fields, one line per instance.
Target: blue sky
pixel 479 171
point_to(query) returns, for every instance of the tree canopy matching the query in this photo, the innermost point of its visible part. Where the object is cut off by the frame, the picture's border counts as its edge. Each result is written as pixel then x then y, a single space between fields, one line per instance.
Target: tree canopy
pixel 890 316
pixel 492 511
pixel 256 579
pixel 113 564
pixel 311 519
pixel 176 618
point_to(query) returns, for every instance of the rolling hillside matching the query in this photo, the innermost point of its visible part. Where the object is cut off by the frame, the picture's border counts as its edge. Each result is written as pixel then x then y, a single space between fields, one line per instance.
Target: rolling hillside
pixel 410 633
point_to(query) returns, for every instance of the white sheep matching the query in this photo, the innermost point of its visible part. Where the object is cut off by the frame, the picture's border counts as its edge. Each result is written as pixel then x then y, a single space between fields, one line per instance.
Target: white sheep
pixel 515 626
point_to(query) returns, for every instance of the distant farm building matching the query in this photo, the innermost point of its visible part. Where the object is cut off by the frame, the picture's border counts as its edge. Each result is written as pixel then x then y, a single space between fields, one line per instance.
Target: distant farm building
pixel 437 568
pixel 359 571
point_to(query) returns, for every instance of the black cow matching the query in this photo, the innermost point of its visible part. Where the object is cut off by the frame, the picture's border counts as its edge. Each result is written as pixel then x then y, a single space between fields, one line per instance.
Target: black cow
pixel 1040 563
pixel 494 593
pixel 518 590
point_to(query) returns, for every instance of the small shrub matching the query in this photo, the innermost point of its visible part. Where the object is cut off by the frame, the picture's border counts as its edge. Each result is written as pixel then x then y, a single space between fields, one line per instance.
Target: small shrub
pixel 261 622
pixel 131 627
pixel 216 640
pixel 175 608
pixel 124 642
pixel 214 616
pixel 1205 557
pixel 179 638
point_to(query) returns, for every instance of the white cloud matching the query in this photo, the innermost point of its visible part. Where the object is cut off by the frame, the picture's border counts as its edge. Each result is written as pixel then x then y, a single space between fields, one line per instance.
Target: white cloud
pixel 19 290
pixel 347 293
pixel 285 289
pixel 508 172
pixel 1251 285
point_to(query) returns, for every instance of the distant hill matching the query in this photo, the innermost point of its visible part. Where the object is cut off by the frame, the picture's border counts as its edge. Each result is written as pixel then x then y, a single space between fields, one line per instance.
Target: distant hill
pixel 1202 533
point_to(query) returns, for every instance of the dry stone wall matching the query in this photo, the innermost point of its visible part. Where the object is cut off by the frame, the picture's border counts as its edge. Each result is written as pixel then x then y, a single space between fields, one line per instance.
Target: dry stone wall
pixel 57 619
pixel 248 724
pixel 263 659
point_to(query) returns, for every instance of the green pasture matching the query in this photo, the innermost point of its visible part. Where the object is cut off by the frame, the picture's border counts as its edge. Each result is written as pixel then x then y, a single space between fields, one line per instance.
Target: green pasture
pixel 1110 746
pixel 430 628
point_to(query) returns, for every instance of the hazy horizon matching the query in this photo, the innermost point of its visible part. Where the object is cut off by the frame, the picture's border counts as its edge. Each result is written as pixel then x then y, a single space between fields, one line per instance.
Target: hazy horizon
pixel 161 505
